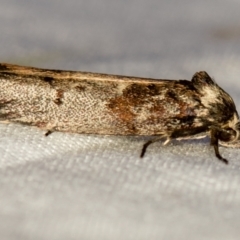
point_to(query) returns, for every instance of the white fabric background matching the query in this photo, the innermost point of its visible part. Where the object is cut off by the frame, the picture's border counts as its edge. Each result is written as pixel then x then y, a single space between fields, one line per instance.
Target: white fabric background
pixel 70 186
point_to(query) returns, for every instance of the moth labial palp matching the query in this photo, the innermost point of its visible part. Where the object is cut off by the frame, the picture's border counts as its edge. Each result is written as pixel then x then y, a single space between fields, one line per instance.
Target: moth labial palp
pixel 93 103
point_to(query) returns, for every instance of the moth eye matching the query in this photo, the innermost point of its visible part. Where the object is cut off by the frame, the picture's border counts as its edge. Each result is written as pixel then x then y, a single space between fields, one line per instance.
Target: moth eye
pixel 227 135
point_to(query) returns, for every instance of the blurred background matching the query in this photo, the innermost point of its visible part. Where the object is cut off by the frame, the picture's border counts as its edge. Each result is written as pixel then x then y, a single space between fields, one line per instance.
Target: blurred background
pixel 151 38
pixel 96 187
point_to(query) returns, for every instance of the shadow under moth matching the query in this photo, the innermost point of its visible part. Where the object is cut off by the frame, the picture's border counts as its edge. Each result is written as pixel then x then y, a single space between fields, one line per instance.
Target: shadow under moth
pixel 93 103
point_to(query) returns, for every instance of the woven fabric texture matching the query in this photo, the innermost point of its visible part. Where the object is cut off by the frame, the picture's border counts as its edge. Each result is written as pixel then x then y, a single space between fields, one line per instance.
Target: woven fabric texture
pixel 70 186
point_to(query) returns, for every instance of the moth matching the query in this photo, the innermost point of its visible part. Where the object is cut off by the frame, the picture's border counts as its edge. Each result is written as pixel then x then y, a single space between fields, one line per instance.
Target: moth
pixel 93 103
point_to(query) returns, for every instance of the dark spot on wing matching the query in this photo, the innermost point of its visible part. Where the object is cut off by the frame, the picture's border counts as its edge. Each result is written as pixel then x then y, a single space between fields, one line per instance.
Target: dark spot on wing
pixel 187 120
pixel 59 97
pixel 80 88
pixel 172 95
pixel 3 67
pixel 140 91
pixel 48 79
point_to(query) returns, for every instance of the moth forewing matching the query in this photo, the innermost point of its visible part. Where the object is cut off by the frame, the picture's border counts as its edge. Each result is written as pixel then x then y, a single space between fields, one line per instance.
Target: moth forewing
pixel 83 102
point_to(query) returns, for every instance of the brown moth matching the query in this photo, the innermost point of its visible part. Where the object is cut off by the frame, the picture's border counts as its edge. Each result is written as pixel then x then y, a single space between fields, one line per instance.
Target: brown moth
pixel 84 102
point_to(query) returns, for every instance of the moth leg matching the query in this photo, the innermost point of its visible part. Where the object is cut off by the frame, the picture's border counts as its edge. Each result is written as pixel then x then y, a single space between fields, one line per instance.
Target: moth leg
pixel 214 143
pixel 148 143
pixel 48 133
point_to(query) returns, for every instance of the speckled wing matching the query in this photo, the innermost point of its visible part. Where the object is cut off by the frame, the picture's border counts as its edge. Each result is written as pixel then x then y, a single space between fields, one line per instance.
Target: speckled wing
pixel 84 102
